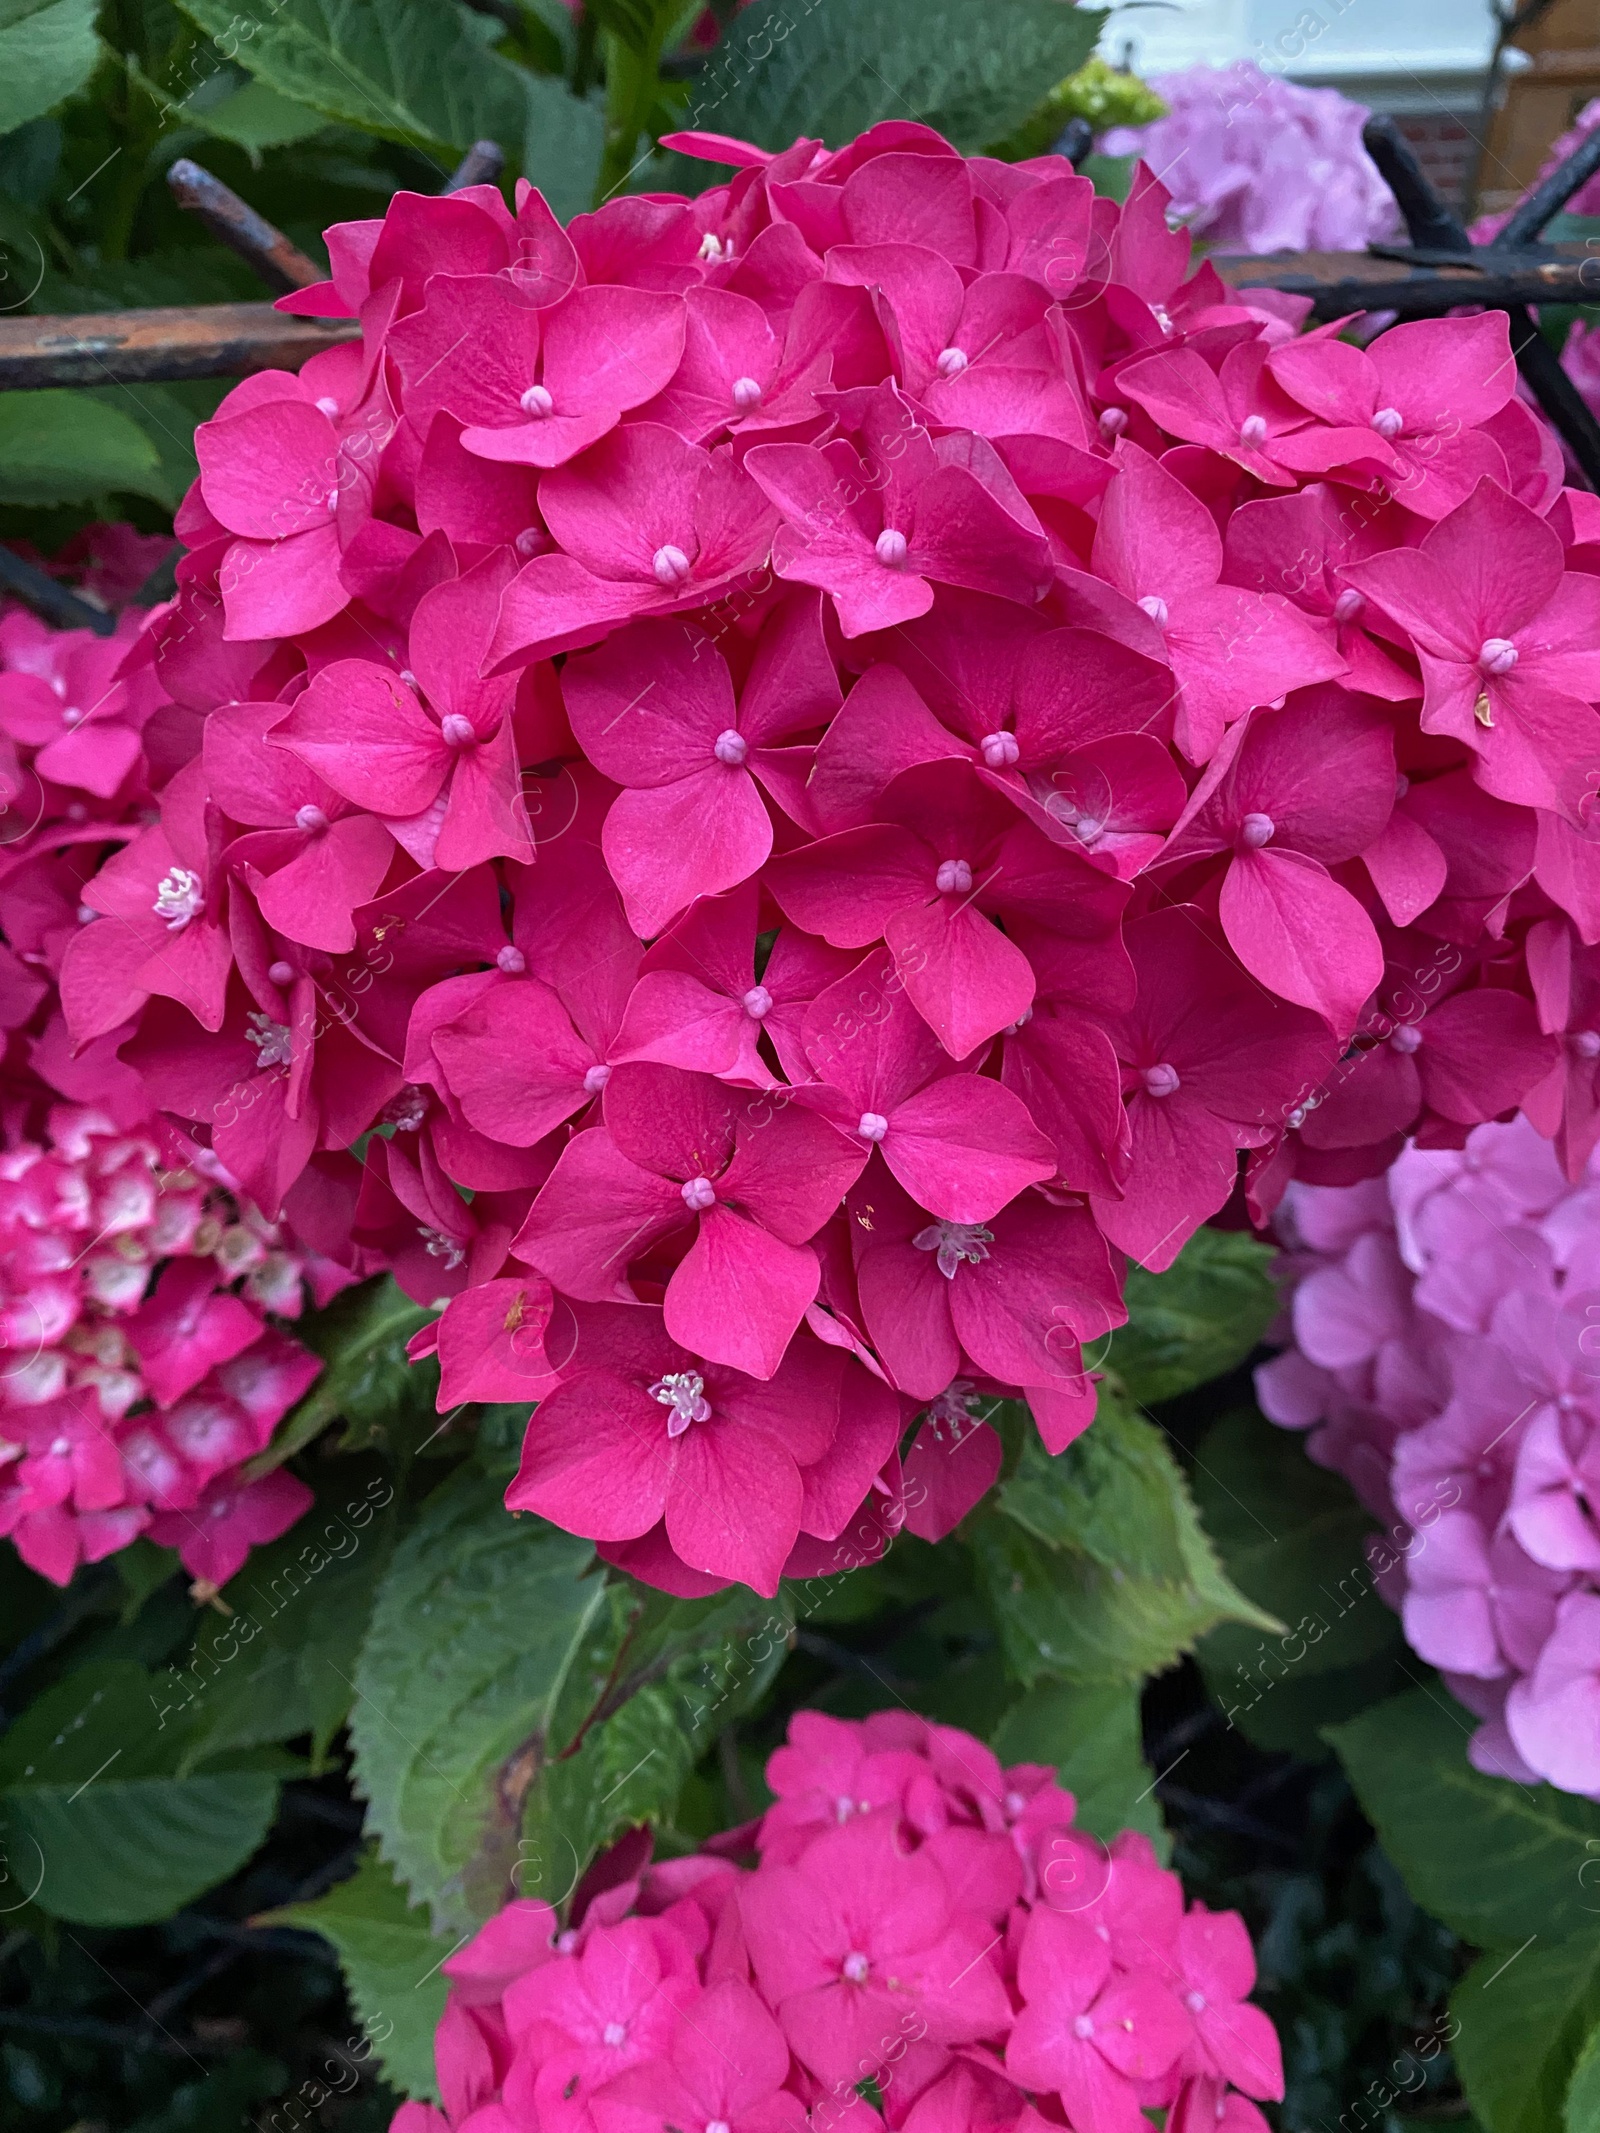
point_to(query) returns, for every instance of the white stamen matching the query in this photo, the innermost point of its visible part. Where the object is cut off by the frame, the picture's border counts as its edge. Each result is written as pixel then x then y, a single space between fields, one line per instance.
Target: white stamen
pixel 1407 1038
pixel 457 729
pixel 281 974
pixel 698 1195
pixel 596 1078
pixel 730 748
pixel 1388 422
pixel 1162 1080
pixel 1586 1043
pixel 71 715
pixel 512 961
pixel 684 1391
pixel 746 394
pixel 530 541
pixel 537 402
pixel 1257 830
pixel 952 362
pixel 958 1244
pixel 311 819
pixel 273 1042
pixel 872 1126
pixel 758 1003
pixel 1253 431
pixel 615 2034
pixel 1498 656
pixel 179 898
pixel 856 1968
pixel 1113 421
pixel 1348 605
pixel 442 1247
pixel 328 406
pixel 671 565
pixel 1156 608
pixel 892 548
pixel 1000 750
pixel 954 877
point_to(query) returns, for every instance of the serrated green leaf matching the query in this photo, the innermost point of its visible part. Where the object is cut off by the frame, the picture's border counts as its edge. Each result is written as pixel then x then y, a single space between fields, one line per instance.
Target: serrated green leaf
pixel 835 67
pixel 1196 1321
pixel 362 1339
pixel 1092 1737
pixel 407 70
pixel 1522 2021
pixel 59 447
pixel 1496 1861
pixel 476 1624
pixel 390 1961
pixel 656 1681
pixel 47 49
pixel 1096 1565
pixel 93 1806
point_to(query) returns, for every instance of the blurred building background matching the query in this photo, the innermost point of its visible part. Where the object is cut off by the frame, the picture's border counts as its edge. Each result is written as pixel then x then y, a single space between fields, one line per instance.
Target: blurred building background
pixel 1424 61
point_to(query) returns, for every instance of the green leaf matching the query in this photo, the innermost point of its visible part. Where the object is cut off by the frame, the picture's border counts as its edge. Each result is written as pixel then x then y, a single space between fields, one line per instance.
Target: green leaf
pixel 835 67
pixel 47 49
pixel 362 1339
pixel 94 1808
pixel 1522 2022
pixel 1198 1319
pixel 636 1714
pixel 1294 1538
pixel 285 1663
pixel 255 117
pixel 1096 1565
pixel 1496 1861
pixel 476 1624
pixel 562 141
pixel 390 1961
pixel 1092 1737
pixel 406 70
pixel 61 448
pixel 1583 2091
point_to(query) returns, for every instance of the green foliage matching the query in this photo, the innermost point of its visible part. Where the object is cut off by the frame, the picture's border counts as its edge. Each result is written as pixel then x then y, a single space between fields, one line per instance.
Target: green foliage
pixel 1295 1539
pixel 1496 1861
pixel 1514 1869
pixel 362 1339
pixel 283 1664
pixel 390 1960
pixel 635 1715
pixel 47 50
pixel 1583 2092
pixel 1524 2019
pixel 1097 93
pixel 835 67
pixel 1095 1563
pixel 474 1629
pixel 102 1823
pixel 1091 1735
pixel 1196 1321
pixel 62 448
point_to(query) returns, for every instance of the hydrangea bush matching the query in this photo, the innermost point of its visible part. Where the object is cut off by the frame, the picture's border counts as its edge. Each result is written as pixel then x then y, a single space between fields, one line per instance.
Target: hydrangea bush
pixel 918 1927
pixel 1445 1361
pixel 816 763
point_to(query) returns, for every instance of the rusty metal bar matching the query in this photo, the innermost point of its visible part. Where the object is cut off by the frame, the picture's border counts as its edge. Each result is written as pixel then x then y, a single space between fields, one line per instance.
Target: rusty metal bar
pixel 62 609
pixel 280 264
pixel 142 347
pixel 1340 283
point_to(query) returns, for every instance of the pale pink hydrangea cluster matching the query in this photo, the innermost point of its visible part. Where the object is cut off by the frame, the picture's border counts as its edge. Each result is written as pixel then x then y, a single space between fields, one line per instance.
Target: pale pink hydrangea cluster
pixel 1447 1362
pixel 815 764
pixel 140 1367
pixel 926 1941
pixel 1258 164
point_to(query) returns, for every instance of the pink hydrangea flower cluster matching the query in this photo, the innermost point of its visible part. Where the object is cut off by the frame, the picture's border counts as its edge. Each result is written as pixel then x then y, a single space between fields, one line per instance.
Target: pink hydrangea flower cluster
pixel 1446 1362
pixel 921 1927
pixel 140 1362
pixel 1258 164
pixel 814 764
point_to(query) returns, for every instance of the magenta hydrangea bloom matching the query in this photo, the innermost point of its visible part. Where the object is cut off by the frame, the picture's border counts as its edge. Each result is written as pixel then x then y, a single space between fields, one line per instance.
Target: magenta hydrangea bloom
pixel 1442 1361
pixel 807 769
pixel 1258 164
pixel 908 1913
